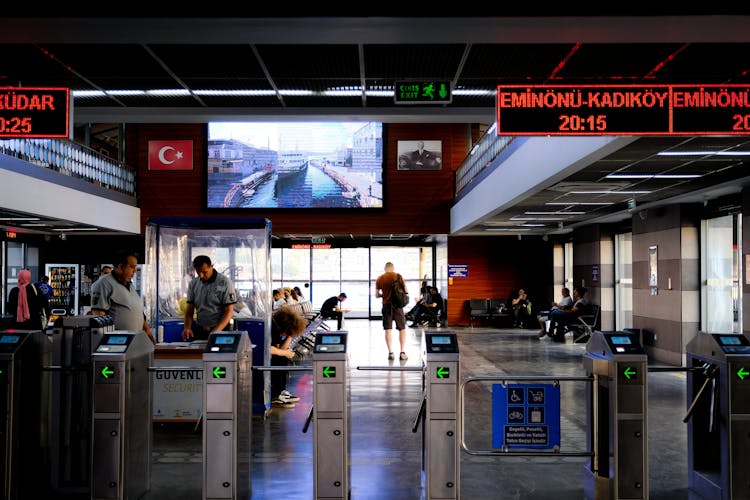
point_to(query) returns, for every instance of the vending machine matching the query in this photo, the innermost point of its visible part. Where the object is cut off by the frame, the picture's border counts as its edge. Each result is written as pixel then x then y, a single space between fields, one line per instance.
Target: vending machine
pixel 65 282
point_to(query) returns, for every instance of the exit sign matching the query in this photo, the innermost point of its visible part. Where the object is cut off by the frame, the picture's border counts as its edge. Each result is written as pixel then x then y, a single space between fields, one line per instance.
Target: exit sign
pixel 423 92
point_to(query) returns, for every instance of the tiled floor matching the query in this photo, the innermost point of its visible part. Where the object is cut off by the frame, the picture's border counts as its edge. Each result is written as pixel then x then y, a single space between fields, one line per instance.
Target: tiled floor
pixel 386 452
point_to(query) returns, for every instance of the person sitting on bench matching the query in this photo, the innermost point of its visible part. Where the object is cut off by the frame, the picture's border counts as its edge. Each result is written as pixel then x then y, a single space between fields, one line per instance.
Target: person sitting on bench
pixel 331 310
pixel 559 318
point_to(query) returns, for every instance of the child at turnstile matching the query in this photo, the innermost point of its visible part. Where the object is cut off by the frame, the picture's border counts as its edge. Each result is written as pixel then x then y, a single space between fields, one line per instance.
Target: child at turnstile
pixel 286 324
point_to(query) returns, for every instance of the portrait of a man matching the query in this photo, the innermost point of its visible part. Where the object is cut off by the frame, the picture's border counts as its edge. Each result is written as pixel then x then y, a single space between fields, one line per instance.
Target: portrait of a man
pixel 420 155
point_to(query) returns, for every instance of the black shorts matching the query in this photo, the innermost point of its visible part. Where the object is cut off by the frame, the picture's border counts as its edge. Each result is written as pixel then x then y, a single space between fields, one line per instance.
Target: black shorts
pixel 391 314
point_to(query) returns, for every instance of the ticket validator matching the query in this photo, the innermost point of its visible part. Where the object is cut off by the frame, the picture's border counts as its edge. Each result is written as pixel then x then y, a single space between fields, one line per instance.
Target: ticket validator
pixel 616 414
pixel 718 417
pixel 227 412
pixel 440 443
pixel 122 412
pixel 331 436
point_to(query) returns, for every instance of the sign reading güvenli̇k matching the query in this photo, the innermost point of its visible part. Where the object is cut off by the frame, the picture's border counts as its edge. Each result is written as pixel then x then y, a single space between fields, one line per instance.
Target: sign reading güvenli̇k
pixel 170 155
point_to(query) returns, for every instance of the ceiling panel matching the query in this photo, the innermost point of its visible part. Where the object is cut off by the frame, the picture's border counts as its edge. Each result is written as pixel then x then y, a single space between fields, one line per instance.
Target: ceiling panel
pixel 477 53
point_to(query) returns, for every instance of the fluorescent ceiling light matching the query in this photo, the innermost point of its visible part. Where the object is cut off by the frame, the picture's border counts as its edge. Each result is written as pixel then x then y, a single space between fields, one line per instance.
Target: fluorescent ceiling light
pixel 168 92
pixel 37 224
pixel 125 92
pixel 533 225
pixel 579 203
pixel 608 191
pixel 71 229
pixel 242 92
pixel 653 176
pixel 704 153
pixel 513 229
pixel 537 218
pixel 20 218
pixel 558 212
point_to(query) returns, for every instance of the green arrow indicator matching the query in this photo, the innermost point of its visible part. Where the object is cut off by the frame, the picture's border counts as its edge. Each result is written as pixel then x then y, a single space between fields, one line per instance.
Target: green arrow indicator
pixel 443 372
pixel 629 372
pixel 443 92
pixel 329 371
pixel 219 372
pixel 742 373
pixel 107 371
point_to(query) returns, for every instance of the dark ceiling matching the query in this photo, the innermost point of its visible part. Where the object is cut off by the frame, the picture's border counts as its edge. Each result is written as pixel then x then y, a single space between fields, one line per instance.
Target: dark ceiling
pixel 317 67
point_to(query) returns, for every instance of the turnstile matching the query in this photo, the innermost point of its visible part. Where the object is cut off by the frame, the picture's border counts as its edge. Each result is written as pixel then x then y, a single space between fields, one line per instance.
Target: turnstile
pixel 617 417
pixel 440 442
pixel 227 405
pixel 66 381
pixel 718 418
pixel 122 411
pixel 331 436
pixel 21 408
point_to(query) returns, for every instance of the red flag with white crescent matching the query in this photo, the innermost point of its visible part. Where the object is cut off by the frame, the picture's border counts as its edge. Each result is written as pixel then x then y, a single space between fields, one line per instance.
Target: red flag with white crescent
pixel 170 155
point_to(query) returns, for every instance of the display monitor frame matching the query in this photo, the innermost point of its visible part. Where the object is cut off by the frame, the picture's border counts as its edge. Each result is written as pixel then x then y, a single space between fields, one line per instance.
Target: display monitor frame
pixel 292 166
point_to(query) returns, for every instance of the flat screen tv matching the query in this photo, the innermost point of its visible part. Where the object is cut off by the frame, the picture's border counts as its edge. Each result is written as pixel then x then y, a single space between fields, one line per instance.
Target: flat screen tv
pixel 291 165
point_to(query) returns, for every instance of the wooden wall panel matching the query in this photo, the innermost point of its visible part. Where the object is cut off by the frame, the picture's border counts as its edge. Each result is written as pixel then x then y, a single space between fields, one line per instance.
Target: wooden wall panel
pixel 498 266
pixel 416 202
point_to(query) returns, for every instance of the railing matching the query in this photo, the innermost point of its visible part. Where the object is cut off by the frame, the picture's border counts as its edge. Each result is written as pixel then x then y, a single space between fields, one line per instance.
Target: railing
pixel 75 160
pixel 481 156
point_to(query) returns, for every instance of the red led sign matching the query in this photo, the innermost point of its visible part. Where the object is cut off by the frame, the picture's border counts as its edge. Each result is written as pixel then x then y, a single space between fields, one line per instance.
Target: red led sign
pixel 623 110
pixel 34 112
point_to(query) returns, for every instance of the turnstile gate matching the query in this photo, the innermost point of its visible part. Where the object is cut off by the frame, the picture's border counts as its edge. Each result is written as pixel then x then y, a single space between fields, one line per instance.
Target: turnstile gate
pixel 331 436
pixel 67 384
pixel 227 405
pixel 21 408
pixel 718 418
pixel 617 417
pixel 440 442
pixel 122 412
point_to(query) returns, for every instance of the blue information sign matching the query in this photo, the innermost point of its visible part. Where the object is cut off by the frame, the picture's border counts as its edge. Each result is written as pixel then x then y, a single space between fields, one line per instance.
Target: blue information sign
pixel 458 270
pixel 526 416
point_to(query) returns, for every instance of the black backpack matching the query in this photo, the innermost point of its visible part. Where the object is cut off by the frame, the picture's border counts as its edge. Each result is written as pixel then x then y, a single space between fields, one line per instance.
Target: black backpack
pixel 399 297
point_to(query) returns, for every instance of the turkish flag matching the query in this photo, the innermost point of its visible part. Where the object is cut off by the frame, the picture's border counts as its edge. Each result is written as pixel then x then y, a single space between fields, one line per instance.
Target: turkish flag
pixel 170 155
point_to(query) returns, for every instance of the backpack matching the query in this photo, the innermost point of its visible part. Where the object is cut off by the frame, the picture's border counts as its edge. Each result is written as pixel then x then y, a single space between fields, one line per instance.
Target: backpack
pixel 399 297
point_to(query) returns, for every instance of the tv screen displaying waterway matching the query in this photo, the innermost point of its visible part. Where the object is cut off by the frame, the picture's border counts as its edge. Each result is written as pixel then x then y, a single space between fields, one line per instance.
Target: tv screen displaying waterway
pixel 266 165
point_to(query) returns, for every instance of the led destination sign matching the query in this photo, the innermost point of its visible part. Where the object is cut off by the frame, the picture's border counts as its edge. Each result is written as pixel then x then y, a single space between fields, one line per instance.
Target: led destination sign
pixel 34 112
pixel 623 110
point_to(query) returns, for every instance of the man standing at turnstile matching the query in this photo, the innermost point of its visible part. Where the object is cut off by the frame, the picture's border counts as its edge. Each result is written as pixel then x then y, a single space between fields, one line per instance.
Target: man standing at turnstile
pixel 116 295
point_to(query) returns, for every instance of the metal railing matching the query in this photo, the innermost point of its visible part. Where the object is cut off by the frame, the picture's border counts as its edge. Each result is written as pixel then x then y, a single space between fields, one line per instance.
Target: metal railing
pixel 481 156
pixel 74 160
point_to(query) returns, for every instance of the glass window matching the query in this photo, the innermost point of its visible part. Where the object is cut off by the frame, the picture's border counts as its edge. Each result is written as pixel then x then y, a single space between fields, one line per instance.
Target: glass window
pixel 623 281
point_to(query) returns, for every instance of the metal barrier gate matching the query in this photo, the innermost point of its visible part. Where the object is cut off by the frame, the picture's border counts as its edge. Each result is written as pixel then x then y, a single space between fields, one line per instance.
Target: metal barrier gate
pixel 227 411
pixel 616 417
pixel 122 411
pixel 718 417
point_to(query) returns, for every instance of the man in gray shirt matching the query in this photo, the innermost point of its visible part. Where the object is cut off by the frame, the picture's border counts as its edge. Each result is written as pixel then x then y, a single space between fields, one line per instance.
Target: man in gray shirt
pixel 213 296
pixel 115 294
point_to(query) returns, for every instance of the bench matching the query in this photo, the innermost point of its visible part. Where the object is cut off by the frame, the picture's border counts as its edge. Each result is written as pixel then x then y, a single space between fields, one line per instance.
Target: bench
pixel 585 325
pixel 489 309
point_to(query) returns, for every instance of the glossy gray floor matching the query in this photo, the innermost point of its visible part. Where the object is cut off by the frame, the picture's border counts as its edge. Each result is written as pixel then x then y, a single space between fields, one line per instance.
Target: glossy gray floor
pixel 385 451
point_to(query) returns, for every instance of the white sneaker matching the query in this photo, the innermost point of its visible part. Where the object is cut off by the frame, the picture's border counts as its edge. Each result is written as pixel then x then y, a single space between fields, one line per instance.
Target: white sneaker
pixel 288 396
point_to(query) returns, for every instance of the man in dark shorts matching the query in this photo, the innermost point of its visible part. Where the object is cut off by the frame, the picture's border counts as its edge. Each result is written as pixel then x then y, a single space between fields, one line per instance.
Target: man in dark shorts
pixel 383 286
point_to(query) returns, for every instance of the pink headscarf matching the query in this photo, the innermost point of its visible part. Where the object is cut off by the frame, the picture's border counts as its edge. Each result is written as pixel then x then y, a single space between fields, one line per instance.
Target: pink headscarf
pixel 22 312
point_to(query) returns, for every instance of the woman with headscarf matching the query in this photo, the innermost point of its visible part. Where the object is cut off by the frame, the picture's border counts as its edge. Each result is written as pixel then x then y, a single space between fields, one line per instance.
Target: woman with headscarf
pixel 26 302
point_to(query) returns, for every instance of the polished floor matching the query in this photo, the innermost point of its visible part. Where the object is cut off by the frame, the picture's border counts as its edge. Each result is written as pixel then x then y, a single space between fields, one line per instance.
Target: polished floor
pixel 386 451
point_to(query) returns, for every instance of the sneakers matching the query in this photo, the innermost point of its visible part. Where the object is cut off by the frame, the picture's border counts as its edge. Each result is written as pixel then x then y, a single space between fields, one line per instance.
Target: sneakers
pixel 390 356
pixel 288 397
pixel 280 403
pixel 403 356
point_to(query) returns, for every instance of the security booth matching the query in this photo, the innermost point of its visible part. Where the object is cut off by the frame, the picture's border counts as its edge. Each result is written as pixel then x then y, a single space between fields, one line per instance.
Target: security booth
pixel 67 385
pixel 21 408
pixel 122 402
pixel 227 412
pixel 718 417
pixel 617 417
pixel 331 436
pixel 440 443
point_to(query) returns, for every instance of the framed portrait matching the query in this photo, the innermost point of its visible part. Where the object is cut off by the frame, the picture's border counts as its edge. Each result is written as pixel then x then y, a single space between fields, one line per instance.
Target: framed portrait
pixel 420 155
